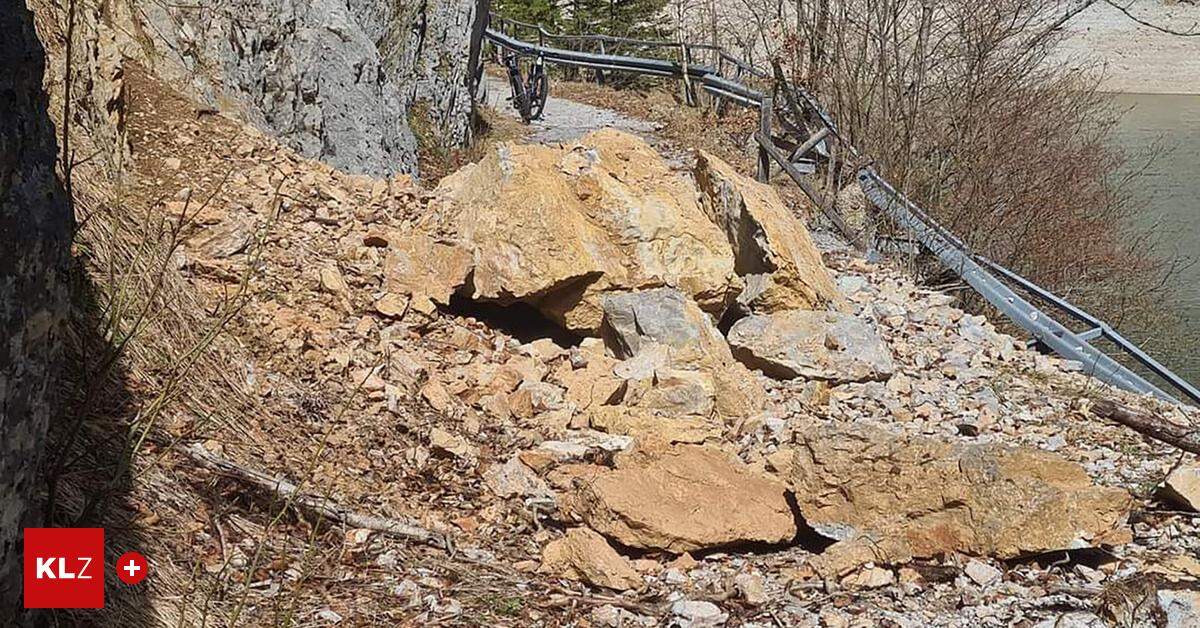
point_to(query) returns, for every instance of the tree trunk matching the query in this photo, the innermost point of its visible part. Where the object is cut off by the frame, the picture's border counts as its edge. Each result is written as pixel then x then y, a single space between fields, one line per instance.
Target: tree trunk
pixel 35 227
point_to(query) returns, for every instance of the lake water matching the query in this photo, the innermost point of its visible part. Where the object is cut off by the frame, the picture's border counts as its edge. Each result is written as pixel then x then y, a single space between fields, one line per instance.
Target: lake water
pixel 1171 189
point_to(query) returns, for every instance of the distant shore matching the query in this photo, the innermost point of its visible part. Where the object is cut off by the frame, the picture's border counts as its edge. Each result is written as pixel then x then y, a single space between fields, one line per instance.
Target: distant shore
pixel 1135 58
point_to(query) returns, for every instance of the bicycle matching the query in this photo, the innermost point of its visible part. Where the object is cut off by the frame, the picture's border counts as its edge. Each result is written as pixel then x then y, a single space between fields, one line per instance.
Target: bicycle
pixel 529 94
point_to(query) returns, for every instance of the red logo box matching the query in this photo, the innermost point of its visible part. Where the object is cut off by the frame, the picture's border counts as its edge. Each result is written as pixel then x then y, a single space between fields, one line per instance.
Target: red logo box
pixel 64 567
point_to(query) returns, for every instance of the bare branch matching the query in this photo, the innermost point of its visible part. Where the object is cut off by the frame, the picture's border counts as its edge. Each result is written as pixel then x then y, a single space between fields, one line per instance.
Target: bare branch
pixel 1193 32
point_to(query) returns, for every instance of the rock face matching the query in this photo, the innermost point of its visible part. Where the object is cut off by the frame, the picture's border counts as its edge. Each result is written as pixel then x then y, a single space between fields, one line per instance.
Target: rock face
pixel 35 219
pixel 561 228
pixel 337 81
pixel 584 555
pixel 1183 487
pixel 827 346
pixel 771 246
pixel 922 497
pixel 684 498
pixel 427 49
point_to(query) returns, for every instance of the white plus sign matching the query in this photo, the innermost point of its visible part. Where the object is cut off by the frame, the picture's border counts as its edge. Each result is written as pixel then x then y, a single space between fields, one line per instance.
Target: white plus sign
pixel 132 568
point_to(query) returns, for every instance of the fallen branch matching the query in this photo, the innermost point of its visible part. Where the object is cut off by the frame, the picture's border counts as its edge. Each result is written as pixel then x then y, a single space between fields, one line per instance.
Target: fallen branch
pixel 1149 425
pixel 321 506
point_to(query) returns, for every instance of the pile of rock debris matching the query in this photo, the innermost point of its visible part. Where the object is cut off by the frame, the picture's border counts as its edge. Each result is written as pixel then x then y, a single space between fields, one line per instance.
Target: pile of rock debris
pixel 654 383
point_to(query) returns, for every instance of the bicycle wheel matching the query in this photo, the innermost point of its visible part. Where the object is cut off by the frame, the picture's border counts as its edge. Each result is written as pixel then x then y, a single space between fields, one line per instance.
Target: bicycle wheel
pixel 520 97
pixel 541 91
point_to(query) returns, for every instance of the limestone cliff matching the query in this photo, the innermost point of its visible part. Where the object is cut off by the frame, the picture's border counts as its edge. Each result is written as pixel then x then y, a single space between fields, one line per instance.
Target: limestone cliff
pixel 336 80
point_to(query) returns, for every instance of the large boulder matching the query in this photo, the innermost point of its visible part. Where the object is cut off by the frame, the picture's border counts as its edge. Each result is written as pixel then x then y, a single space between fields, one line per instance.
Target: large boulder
pixel 828 346
pixel 772 248
pixel 890 499
pixel 560 228
pixel 683 498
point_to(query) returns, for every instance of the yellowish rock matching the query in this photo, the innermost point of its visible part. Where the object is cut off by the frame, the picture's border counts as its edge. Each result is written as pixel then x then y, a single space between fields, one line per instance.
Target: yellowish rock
pixel 418 264
pixel 1183 487
pixel 767 239
pixel 683 498
pixel 392 305
pixel 559 228
pixel 584 555
pixel 890 499
pixel 646 426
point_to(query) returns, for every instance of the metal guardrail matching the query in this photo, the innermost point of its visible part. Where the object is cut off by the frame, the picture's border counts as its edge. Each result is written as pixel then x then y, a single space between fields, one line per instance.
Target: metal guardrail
pixel 950 250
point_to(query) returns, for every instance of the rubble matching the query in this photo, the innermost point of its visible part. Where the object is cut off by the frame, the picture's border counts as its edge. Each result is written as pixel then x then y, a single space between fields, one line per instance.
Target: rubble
pixel 380 318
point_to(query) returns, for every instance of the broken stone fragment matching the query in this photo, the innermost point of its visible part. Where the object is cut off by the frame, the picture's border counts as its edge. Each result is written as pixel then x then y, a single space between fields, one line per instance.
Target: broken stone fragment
pixel 514 479
pixel 453 444
pixel 666 317
pixel 869 577
pixel 418 264
pixel 683 498
pixel 226 239
pixel 698 614
pixel 675 358
pixel 592 385
pixel 584 555
pixel 768 241
pixel 982 573
pixel 1183 487
pixel 889 499
pixel 532 397
pixel 392 305
pixel 828 346
pixel 676 393
pixel 331 281
pixel 751 588
pixel 561 227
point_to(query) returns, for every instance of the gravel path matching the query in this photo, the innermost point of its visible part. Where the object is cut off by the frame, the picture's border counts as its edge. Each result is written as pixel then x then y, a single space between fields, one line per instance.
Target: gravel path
pixel 563 120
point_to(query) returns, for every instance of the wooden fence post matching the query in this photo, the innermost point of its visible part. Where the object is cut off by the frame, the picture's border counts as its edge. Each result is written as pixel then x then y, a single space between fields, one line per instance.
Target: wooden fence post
pixel 689 90
pixel 766 110
pixel 599 72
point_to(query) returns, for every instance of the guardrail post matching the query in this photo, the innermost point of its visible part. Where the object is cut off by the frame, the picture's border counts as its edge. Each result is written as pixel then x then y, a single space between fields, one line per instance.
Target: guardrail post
pixel 689 90
pixel 599 72
pixel 766 110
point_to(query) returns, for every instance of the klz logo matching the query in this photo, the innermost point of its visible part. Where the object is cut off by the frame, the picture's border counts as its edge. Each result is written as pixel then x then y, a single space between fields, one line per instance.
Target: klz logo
pixel 64 567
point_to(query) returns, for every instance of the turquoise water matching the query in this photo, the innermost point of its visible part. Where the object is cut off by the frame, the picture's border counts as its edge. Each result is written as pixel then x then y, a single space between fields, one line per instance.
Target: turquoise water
pixel 1171 189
